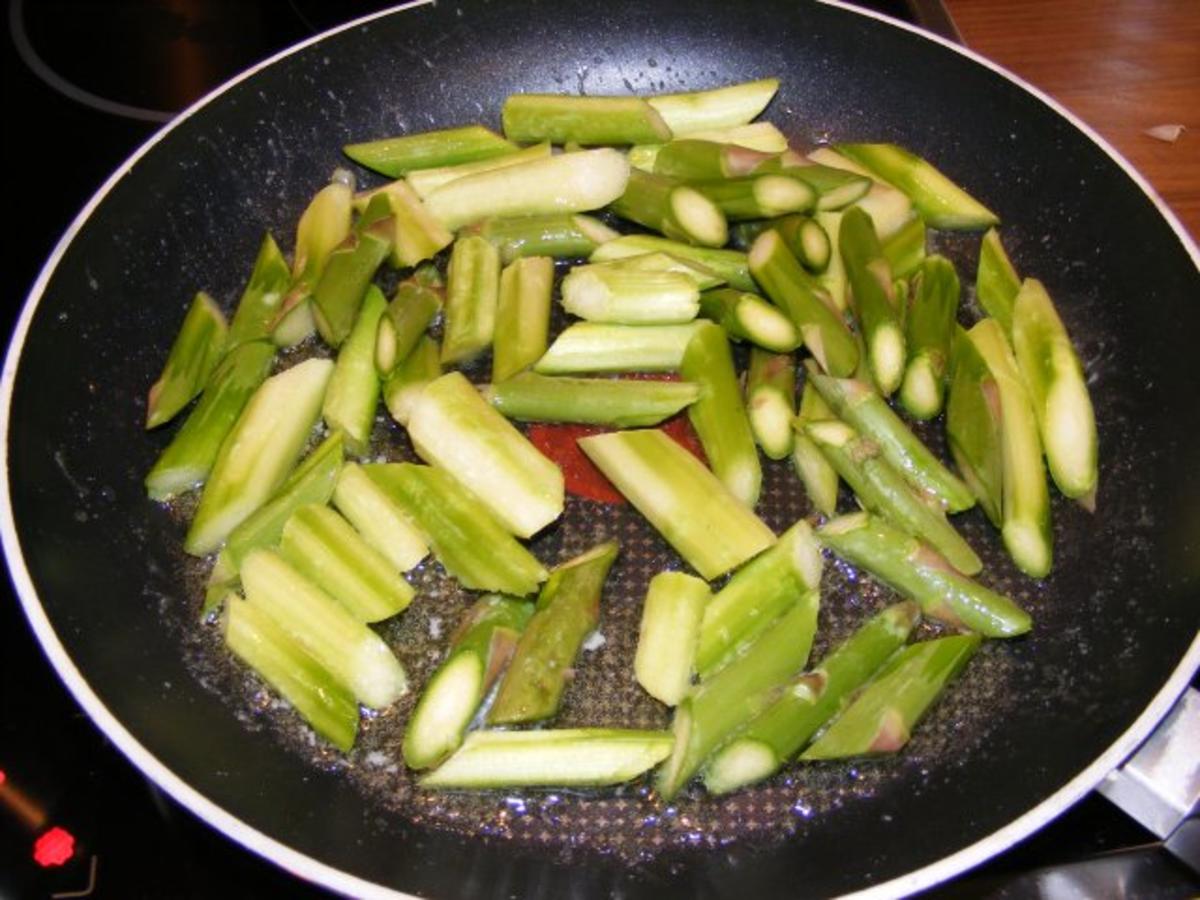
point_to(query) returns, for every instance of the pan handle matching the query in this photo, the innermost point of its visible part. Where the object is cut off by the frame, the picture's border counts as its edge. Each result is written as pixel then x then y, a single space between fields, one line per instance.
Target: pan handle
pixel 1159 785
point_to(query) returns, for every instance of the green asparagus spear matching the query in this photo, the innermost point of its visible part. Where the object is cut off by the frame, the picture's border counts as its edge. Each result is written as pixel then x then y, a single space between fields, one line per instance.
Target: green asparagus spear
pixel 378 518
pixel 929 329
pixel 820 479
pixel 670 625
pixel 604 292
pixel 479 651
pixel 568 610
pixel 808 701
pixel 453 427
pixel 771 400
pixel 1054 376
pixel 671 208
pixel 568 757
pixel 807 240
pixel 471 299
pixel 882 489
pixel 890 209
pixel 973 423
pixel 710 528
pixel 756 595
pixel 719 415
pixel 559 235
pixel 697 274
pixel 757 196
pixel 996 281
pixel 875 302
pixel 466 538
pixel 833 279
pixel 325 548
pixel 941 202
pixel 1025 505
pixel 571 182
pixel 416 235
pixel 320 698
pixel 188 459
pixel 561 118
pixel 353 392
pixel 723 107
pixel 197 349
pixel 761 136
pixel 748 317
pixel 836 188
pixel 921 574
pixel 862 408
pixel 729 265
pixel 793 289
pixel 621 403
pixel 409 313
pixel 690 159
pixel 599 347
pixel 348 271
pixel 426 181
pixel 739 692
pixel 259 452
pixel 410 377
pixel 257 309
pixel 522 315
pixel 324 226
pixel 883 716
pixel 396 156
pixel 905 249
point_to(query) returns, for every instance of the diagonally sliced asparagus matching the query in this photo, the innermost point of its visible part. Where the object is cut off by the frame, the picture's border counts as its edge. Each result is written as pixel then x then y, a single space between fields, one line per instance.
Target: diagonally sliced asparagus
pixel 522 315
pixel 618 402
pixel 561 119
pixel 395 156
pixel 426 181
pixel 771 400
pixel 197 349
pixel 723 107
pixel 261 300
pixel 408 380
pixel 353 392
pixel 624 296
pixel 600 347
pixel 671 208
pixel 378 518
pixel 670 626
pixel 471 297
pixel 558 235
pixel 973 423
pixel 996 281
pixel 729 265
pixel 746 316
pixel 820 479
pixel 929 331
pixel 875 303
pixel 409 313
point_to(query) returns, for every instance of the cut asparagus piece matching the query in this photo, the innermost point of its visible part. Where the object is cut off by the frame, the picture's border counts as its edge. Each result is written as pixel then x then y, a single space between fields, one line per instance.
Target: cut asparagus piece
pixel 709 527
pixel 881 488
pixel 1058 390
pixel 572 182
pixel 409 313
pixel 353 392
pixel 761 136
pixel 395 156
pixel 723 107
pixel 748 317
pixel 471 298
pixel 729 265
pixel 560 118
pixel 883 716
pixel 426 181
pixel 690 159
pixel 188 459
pixel 836 188
pixel 480 649
pixel 996 281
pixel 666 648
pixel 862 408
pixel 259 452
pixel 354 654
pixel 875 302
pixel 323 227
pixel 941 202
pixel 453 427
pixel 771 400
pixel 568 610
pixel 296 324
pixel 259 305
pixel 320 698
pixel 522 315
pixel 1025 503
pixel 197 349
pixel 757 196
pixel 833 280
pixel 700 276
pixel 973 423
pixel 905 249
pixel 559 235
pixel 820 479
pixel 719 415
pixel 597 347
pixel 348 271
pixel 807 240
pixel 672 208
pixel 756 596
pixel 410 377
pixel 625 296
pixel 739 692
pixel 921 574
pixel 890 209
pixel 416 234
pixel 378 518
pixel 620 403
pixel 325 548
pixel 929 330
pixel 808 702
pixel 793 289
pixel 568 757
pixel 467 540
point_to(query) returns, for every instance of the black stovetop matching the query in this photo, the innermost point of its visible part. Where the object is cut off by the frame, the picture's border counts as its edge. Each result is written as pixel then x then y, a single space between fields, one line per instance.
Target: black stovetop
pixel 77 88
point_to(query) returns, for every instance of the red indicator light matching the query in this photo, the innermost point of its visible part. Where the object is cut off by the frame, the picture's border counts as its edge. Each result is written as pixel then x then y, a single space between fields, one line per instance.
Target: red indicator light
pixel 3 777
pixel 54 847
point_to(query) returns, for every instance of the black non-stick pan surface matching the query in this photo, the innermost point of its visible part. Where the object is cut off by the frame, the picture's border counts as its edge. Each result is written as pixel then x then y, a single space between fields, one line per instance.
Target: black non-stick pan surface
pixel 1030 727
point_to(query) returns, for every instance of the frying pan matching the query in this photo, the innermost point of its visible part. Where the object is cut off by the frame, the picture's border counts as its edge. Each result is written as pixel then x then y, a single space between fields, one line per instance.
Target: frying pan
pixel 1036 723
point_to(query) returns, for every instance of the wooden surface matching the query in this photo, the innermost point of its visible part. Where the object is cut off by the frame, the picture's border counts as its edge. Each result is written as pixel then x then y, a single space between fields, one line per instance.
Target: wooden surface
pixel 1123 66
